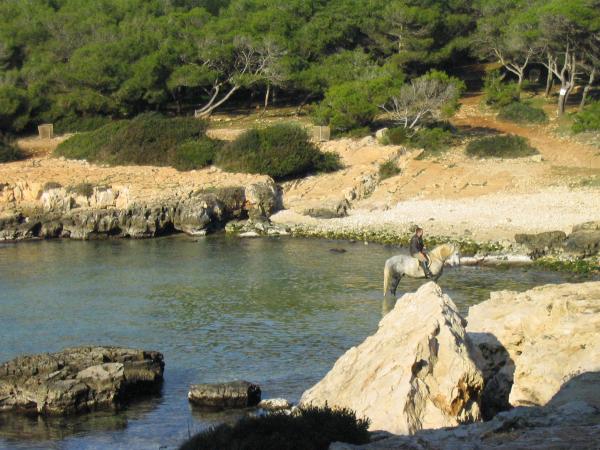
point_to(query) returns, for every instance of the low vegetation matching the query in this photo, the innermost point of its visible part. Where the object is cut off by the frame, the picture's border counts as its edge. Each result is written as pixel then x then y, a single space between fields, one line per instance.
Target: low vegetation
pixel 149 139
pixel 588 119
pixel 519 112
pixel 83 189
pixel 309 428
pixel 497 93
pixel 282 151
pixel 506 146
pixel 388 169
pixel 432 140
pixel 76 124
pixel 9 152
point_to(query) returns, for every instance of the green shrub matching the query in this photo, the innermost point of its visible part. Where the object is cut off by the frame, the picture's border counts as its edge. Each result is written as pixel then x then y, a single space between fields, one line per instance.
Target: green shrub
pixel 522 113
pixel 497 93
pixel 76 124
pixel 281 151
pixel 310 428
pixel 196 154
pixel 149 139
pixel 10 152
pixel 588 119
pixel 432 140
pixel 388 169
pixel 397 136
pixel 508 146
pixel 345 107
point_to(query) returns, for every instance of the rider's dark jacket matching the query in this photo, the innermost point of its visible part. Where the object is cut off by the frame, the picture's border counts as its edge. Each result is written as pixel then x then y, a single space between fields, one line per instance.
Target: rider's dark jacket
pixel 416 245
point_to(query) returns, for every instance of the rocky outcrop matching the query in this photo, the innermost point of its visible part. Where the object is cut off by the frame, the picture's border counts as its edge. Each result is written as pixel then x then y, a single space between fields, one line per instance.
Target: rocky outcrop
pixel 235 394
pixel 77 380
pixel 542 243
pixel 414 373
pixel 531 343
pixel 107 212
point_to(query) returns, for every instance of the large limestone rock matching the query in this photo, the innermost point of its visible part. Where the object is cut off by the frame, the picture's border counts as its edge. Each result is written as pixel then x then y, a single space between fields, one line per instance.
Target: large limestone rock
pixel 414 373
pixel 533 342
pixel 78 379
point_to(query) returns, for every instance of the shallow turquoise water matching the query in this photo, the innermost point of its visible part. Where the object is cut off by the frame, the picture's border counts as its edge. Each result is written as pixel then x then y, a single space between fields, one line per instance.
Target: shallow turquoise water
pixel 278 312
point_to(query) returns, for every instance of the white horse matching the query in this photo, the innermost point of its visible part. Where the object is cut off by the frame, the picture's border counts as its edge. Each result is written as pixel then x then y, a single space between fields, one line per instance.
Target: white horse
pixel 398 266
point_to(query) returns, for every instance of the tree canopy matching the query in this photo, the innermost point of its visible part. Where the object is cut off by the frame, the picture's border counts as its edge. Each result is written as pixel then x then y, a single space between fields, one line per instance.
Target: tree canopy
pixel 118 58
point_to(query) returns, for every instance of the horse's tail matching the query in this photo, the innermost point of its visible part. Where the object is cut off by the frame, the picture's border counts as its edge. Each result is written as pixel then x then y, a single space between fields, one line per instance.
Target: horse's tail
pixel 386 278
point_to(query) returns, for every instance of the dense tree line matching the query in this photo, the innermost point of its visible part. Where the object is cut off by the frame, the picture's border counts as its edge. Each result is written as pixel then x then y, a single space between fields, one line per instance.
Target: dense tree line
pixel 80 58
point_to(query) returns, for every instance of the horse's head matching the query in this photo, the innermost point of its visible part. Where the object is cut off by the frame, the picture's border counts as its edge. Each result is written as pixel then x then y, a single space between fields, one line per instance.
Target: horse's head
pixel 454 258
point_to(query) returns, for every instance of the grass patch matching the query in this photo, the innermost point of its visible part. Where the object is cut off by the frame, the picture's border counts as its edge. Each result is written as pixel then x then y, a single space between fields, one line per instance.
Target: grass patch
pixel 588 119
pixel 9 152
pixel 507 146
pixel 149 139
pixel 309 428
pixel 522 113
pixel 282 151
pixel 388 169
pixel 578 266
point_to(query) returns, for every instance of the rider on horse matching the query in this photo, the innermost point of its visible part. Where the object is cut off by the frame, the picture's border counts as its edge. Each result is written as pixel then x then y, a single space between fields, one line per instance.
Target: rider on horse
pixel 417 250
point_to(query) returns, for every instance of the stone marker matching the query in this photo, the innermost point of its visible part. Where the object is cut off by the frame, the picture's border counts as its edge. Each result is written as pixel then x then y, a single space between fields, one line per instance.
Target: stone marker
pixel 46 131
pixel 321 134
pixel 235 394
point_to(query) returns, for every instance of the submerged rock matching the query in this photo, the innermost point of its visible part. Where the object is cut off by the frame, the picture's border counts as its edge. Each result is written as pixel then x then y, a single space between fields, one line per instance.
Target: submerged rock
pixel 77 380
pixel 533 342
pixel 275 404
pixel 414 373
pixel 235 394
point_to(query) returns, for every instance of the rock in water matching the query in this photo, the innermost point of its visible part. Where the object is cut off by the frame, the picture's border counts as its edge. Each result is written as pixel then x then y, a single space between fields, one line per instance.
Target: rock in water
pixel 533 342
pixel 414 373
pixel 235 394
pixel 79 379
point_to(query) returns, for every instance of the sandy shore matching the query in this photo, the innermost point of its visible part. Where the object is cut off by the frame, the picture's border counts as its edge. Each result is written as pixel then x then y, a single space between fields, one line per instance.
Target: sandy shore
pixel 492 217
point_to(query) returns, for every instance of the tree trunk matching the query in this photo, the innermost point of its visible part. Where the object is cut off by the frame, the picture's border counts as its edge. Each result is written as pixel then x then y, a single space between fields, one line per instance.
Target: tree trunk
pixel 303 102
pixel 267 97
pixel 207 112
pixel 549 83
pixel 587 88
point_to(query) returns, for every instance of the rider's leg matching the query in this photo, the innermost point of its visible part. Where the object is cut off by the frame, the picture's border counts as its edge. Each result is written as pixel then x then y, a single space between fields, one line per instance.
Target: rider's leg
pixel 425 265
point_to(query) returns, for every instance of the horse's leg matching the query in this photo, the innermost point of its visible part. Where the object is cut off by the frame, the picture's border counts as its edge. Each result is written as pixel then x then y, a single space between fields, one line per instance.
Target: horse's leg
pixel 395 283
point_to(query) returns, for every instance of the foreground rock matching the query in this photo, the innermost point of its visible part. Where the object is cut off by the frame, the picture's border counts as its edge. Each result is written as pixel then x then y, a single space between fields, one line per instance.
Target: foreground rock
pixel 79 379
pixel 533 342
pixel 414 373
pixel 96 212
pixel 235 394
pixel 575 425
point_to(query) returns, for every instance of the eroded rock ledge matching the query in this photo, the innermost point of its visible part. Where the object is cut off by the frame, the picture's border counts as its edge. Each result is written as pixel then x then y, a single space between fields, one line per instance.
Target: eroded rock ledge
pixel 77 380
pixel 100 212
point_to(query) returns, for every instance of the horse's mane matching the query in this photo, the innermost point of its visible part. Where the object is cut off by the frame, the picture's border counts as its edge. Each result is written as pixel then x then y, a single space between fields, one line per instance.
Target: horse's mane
pixel 442 251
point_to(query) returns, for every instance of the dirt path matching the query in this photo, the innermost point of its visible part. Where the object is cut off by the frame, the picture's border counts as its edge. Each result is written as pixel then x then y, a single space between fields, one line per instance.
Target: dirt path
pixel 559 151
